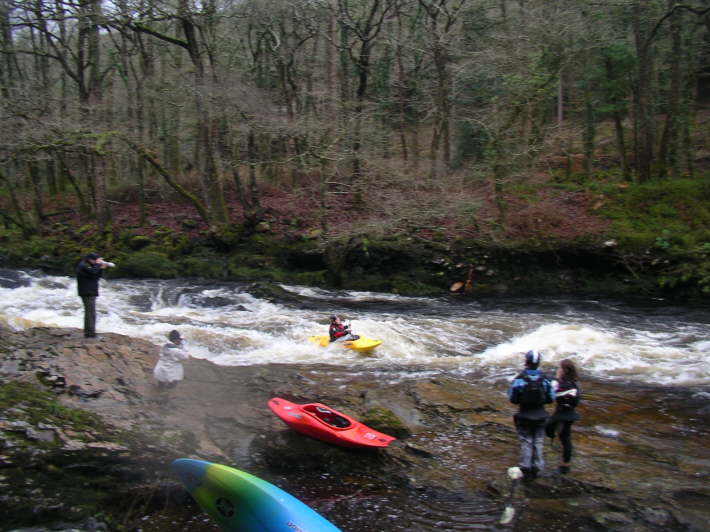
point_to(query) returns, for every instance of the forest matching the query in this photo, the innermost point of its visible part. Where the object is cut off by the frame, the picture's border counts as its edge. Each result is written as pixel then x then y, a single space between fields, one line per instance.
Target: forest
pixel 506 122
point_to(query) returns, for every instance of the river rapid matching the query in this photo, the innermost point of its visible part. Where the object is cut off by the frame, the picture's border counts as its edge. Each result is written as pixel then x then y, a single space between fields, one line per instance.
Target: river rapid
pixel 642 341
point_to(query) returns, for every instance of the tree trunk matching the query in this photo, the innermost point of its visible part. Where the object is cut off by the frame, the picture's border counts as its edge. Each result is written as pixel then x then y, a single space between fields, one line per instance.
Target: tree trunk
pixel 589 135
pixel 10 73
pixel 191 198
pixel 18 216
pixel 621 146
pixel 65 173
pixel 249 196
pixel 644 109
pixel 36 183
pixel 212 183
pixel 363 71
pixel 443 103
pixel 560 99
pixel 669 148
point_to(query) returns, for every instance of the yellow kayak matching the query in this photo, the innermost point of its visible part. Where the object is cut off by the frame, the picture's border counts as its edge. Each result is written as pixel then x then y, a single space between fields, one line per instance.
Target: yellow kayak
pixel 362 344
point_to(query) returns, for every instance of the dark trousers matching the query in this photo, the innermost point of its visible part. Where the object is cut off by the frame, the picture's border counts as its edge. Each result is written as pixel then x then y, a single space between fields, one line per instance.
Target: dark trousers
pixel 89 315
pixel 566 439
pixel 565 436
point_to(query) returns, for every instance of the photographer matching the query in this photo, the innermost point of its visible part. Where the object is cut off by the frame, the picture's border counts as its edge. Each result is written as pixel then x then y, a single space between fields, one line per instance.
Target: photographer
pixel 88 273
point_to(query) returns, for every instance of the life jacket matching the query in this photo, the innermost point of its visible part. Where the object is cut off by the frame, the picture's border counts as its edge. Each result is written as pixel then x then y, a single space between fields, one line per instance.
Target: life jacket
pixel 337 330
pixel 567 395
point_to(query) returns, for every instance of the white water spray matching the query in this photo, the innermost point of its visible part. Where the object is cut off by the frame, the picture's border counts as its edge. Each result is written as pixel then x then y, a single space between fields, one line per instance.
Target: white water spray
pixel 223 323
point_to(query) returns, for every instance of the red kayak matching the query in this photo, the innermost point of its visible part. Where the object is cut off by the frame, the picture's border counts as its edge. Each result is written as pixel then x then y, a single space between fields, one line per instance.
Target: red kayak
pixel 324 423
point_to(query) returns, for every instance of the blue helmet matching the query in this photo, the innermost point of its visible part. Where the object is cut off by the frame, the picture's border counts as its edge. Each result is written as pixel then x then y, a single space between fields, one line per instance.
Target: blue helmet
pixel 533 358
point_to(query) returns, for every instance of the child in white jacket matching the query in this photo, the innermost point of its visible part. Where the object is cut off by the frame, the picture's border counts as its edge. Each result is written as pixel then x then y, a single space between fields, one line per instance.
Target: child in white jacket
pixel 168 371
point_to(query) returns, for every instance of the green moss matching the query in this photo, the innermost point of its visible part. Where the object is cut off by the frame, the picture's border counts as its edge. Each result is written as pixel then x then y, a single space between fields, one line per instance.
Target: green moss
pixel 667 214
pixel 31 248
pixel 149 264
pixel 384 420
pixel 310 278
pixel 689 270
pixel 202 267
pixel 38 405
pixel 259 274
pixel 139 242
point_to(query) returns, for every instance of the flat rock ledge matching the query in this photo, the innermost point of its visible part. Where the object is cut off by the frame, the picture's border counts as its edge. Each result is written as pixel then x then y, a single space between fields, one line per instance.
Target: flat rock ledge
pixel 87 438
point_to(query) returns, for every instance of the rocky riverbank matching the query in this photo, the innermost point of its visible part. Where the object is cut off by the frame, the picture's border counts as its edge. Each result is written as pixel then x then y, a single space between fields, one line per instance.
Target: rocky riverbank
pixel 397 264
pixel 86 439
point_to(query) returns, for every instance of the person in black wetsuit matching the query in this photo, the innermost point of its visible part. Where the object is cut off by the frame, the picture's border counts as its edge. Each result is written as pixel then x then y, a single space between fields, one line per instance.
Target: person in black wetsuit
pixel 567 396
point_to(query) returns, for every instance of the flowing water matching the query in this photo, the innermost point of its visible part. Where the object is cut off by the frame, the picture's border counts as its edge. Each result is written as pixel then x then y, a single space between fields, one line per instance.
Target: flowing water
pixel 646 341
pixel 641 341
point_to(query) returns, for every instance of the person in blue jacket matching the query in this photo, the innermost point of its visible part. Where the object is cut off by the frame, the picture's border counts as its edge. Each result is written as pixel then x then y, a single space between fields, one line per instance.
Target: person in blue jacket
pixel 531 390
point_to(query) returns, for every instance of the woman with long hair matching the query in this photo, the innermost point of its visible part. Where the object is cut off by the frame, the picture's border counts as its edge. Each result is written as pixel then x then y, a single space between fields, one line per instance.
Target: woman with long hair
pixel 567 396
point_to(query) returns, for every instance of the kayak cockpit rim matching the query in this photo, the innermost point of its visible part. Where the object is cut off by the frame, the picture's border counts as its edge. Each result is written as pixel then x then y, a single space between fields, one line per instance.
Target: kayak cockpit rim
pixel 328 416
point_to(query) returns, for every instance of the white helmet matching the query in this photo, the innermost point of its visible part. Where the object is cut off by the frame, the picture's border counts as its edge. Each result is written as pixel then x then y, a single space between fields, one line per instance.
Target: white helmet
pixel 533 358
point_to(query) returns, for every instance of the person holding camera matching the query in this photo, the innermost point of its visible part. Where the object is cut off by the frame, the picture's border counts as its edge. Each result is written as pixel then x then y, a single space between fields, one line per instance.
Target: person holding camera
pixel 339 331
pixel 88 273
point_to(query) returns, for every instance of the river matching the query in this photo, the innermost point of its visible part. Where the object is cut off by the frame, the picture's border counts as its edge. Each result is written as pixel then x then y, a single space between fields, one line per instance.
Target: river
pixel 641 341
pixel 644 341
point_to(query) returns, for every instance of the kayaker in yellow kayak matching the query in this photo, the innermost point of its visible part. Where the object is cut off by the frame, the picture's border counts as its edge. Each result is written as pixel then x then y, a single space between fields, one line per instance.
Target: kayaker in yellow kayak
pixel 339 331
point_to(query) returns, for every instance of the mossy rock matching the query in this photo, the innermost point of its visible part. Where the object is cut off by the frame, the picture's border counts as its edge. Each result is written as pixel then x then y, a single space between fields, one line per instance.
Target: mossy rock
pixel 263 227
pixel 310 278
pixel 179 245
pixel 273 292
pixel 384 420
pixel 203 267
pixel 33 404
pixel 312 234
pixel 149 264
pixel 139 242
pixel 32 248
pixel 189 223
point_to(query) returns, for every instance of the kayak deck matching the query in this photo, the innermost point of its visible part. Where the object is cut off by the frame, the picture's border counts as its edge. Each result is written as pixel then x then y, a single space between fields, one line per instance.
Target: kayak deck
pixel 362 344
pixel 326 424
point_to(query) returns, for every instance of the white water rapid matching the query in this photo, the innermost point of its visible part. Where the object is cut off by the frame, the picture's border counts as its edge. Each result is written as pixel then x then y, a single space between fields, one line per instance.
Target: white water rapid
pixel 645 342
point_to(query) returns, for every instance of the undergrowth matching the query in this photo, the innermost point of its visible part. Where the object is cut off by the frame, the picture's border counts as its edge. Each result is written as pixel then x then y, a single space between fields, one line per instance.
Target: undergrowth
pixel 667 215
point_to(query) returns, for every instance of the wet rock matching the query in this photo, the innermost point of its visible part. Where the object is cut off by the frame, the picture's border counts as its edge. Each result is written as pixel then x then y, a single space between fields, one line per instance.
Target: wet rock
pixel 18 426
pixel 39 435
pixel 614 520
pixel 634 466
pixel 658 517
pixel 9 367
pixel 418 450
pixel 90 525
pixel 14 278
pixel 213 302
pixel 275 293
pixel 47 283
pixel 384 420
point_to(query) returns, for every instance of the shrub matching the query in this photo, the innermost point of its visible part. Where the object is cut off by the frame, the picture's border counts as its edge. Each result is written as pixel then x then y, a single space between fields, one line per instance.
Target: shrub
pixel 149 264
